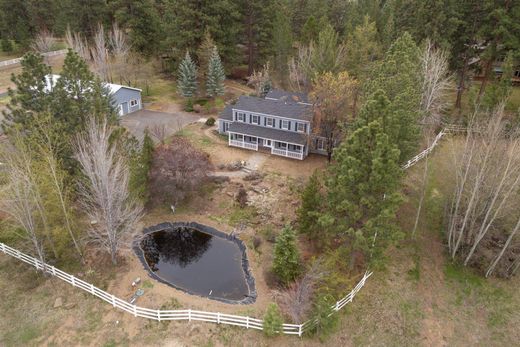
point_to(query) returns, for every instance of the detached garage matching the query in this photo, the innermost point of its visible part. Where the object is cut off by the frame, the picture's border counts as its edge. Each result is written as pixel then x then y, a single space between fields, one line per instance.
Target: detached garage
pixel 125 99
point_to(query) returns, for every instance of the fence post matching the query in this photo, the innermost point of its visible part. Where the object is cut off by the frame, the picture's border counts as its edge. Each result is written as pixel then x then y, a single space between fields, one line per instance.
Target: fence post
pixel 53 271
pixel 113 300
pixel 159 315
pixel 218 317
pixel 73 281
pixel 135 311
pixel 189 314
pixel 92 289
pixel 300 330
pixel 247 322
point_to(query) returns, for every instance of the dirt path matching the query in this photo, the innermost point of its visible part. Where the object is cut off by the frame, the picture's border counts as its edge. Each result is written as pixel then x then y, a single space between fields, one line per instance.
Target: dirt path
pixel 436 330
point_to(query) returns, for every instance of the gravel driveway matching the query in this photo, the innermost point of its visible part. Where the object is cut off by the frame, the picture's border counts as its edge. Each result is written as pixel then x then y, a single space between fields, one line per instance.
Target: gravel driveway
pixel 138 121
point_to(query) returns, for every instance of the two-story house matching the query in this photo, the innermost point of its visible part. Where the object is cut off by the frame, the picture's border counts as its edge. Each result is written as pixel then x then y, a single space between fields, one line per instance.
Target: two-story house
pixel 280 123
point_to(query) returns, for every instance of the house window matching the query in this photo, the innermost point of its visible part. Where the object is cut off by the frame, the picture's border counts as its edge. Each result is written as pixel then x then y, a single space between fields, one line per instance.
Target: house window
pixel 320 144
pixel 285 124
pixel 300 127
pixel 255 119
pixel 241 117
pixel 133 103
pixel 269 122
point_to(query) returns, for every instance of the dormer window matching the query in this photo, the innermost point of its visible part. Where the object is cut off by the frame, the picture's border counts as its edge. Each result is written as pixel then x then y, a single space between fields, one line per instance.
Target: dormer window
pixel 300 127
pixel 241 117
pixel 269 122
pixel 255 119
pixel 285 124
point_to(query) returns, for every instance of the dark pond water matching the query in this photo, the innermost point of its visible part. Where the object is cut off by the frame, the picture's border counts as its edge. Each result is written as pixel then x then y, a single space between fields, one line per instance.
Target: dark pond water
pixel 196 262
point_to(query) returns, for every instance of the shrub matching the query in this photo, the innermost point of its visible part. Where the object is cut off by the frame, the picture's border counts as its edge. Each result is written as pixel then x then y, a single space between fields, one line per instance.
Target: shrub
pixel 188 107
pixel 241 197
pixel 273 321
pixel 178 169
pixel 326 323
pixel 286 263
pixel 7 45
pixel 210 121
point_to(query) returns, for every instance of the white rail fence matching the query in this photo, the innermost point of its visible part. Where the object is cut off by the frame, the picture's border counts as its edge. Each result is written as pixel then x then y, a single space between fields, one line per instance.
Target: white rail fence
pixel 18 60
pixel 195 315
pixel 162 315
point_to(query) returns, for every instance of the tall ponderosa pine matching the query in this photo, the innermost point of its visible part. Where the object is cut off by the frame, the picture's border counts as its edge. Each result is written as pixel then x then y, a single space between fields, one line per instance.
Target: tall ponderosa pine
pixel 187 77
pixel 399 78
pixel 363 188
pixel 282 43
pixel 286 262
pixel 204 54
pixel 30 96
pixel 216 76
pixel 308 212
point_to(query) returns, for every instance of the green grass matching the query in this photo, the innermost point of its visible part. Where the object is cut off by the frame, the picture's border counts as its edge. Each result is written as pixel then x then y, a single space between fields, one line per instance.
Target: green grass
pixel 239 215
pixel 147 284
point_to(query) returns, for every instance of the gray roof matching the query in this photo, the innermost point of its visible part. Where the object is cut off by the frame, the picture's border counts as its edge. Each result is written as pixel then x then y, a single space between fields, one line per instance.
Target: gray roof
pixel 268 133
pixel 274 108
pixel 283 95
pixel 227 113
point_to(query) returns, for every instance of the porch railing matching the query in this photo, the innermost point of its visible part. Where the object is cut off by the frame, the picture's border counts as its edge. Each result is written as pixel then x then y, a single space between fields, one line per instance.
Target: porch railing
pixel 287 153
pixel 242 144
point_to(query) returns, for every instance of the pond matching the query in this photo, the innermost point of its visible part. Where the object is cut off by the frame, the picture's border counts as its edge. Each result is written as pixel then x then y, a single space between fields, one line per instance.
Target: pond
pixel 198 260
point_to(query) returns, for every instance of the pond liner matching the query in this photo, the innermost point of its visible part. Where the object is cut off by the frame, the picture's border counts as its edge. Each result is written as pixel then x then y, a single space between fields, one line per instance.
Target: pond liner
pixel 250 280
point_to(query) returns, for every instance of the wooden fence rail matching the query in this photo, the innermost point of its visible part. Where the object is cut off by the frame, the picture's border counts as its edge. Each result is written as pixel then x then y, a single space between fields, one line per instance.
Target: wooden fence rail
pixel 18 60
pixel 162 315
pixel 213 317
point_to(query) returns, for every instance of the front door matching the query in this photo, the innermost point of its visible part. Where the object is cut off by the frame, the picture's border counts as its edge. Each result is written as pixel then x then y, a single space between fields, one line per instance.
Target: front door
pixel 268 143
pixel 124 108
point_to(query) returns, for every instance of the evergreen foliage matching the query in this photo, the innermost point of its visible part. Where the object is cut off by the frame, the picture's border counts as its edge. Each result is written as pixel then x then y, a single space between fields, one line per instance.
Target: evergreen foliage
pixel 140 164
pixel 187 77
pixel 204 55
pixel 396 84
pixel 309 211
pixel 286 263
pixel 325 322
pixel 216 76
pixel 273 321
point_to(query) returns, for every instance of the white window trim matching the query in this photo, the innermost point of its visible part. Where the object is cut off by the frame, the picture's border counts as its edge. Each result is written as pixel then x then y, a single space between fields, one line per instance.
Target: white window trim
pixel 273 122
pixel 241 117
pixel 285 121
pixel 298 127
pixel 253 119
pixel 134 101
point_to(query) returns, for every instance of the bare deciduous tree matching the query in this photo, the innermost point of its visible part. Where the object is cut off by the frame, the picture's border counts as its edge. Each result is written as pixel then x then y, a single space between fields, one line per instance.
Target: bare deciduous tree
pixel 77 43
pixel 483 218
pixel 99 53
pixel 437 84
pixel 296 300
pixel 105 194
pixel 20 198
pixel 178 169
pixel 43 42
pixel 158 131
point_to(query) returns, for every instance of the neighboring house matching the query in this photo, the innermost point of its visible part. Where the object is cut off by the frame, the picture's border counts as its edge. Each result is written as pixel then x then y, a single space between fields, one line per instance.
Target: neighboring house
pixel 125 99
pixel 280 123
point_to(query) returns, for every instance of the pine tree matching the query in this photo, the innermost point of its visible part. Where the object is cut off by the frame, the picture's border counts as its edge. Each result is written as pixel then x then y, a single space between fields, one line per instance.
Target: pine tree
pixel 286 263
pixel 398 78
pixel 363 188
pixel 30 97
pixel 309 210
pixel 282 43
pixel 140 164
pixel 187 77
pixel 273 321
pixel 216 75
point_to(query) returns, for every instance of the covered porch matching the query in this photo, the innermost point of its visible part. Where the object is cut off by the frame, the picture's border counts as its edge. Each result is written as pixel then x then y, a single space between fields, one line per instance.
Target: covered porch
pixel 276 147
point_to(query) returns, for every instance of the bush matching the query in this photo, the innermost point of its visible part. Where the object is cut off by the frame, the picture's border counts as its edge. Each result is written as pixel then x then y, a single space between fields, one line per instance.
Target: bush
pixel 188 107
pixel 326 323
pixel 178 169
pixel 7 45
pixel 273 321
pixel 286 263
pixel 241 197
pixel 210 121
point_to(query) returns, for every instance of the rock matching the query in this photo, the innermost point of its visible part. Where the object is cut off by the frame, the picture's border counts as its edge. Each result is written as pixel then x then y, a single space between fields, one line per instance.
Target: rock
pixel 230 194
pixel 70 305
pixel 58 302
